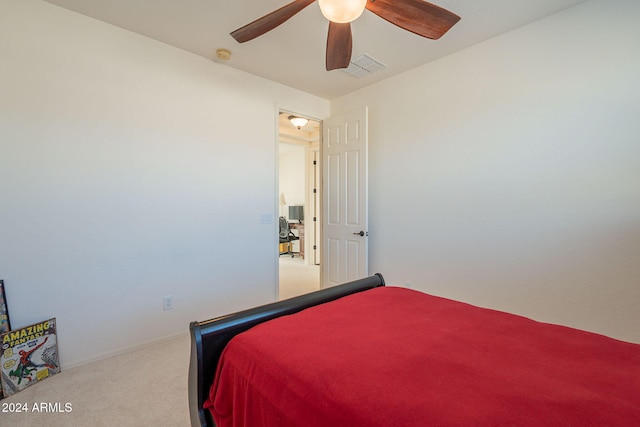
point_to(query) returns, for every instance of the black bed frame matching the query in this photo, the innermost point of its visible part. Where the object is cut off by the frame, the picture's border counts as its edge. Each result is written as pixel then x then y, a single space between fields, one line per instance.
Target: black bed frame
pixel 209 338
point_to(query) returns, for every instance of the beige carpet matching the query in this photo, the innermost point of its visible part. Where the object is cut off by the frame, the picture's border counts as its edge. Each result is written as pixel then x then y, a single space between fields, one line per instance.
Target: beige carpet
pixel 297 278
pixel 145 387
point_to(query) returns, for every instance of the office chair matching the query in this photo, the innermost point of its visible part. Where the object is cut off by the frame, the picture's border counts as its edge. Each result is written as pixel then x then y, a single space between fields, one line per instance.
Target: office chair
pixel 286 236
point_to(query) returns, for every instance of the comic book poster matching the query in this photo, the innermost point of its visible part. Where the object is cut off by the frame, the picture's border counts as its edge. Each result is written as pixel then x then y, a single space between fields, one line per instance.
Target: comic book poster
pixel 29 355
pixel 5 326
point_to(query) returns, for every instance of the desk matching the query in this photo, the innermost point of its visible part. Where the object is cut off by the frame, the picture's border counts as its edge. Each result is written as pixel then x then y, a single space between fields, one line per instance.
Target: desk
pixel 300 234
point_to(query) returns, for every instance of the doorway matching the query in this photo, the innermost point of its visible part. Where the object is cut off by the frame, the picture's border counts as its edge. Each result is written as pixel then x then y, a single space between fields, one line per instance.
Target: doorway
pixel 299 203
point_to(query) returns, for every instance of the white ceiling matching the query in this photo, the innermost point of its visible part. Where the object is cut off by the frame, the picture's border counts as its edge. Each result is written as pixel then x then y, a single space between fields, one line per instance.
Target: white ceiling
pixel 294 53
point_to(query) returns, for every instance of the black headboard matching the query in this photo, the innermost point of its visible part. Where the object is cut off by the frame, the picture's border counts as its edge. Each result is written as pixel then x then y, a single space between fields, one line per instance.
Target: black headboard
pixel 210 337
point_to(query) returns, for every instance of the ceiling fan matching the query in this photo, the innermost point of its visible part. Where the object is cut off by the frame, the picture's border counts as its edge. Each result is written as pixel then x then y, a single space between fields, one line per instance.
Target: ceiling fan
pixel 417 16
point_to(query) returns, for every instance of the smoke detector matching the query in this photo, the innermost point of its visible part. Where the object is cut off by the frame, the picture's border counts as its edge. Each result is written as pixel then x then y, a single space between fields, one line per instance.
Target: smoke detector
pixel 223 54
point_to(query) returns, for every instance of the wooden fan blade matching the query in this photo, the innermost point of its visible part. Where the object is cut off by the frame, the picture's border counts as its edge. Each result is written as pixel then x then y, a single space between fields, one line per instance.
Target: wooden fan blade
pixel 270 21
pixel 339 44
pixel 419 17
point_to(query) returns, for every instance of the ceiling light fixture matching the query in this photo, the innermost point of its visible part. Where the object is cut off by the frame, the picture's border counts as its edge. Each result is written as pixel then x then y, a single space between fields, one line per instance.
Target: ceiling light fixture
pixel 298 121
pixel 342 11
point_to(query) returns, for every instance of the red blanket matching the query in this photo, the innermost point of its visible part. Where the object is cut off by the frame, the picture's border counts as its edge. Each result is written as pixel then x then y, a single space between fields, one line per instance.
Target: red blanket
pixel 397 357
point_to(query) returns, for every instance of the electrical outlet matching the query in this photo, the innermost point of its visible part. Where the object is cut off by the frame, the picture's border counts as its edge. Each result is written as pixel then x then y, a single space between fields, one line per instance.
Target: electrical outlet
pixel 167 303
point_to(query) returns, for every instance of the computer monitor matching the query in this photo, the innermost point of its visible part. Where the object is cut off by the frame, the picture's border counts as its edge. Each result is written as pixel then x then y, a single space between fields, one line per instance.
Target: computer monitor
pixel 296 213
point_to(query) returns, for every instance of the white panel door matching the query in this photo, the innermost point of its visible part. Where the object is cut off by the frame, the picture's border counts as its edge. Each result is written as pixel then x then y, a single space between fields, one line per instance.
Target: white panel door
pixel 345 219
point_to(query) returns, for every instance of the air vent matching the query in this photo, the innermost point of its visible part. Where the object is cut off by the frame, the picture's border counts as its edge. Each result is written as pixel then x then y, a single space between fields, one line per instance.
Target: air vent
pixel 364 65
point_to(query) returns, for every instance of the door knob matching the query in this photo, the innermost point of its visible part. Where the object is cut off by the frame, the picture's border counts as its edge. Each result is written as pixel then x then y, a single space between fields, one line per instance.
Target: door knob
pixel 361 233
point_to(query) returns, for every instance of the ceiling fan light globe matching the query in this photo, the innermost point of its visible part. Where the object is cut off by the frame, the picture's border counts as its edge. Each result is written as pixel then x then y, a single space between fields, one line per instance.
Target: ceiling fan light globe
pixel 342 11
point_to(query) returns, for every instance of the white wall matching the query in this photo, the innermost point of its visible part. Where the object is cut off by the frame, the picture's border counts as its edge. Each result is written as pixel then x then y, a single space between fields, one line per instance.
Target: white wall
pixel 292 180
pixel 127 173
pixel 508 174
pixel 293 176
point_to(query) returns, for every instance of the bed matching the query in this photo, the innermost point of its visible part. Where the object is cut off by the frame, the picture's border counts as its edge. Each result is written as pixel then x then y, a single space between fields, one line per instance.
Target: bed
pixel 366 354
